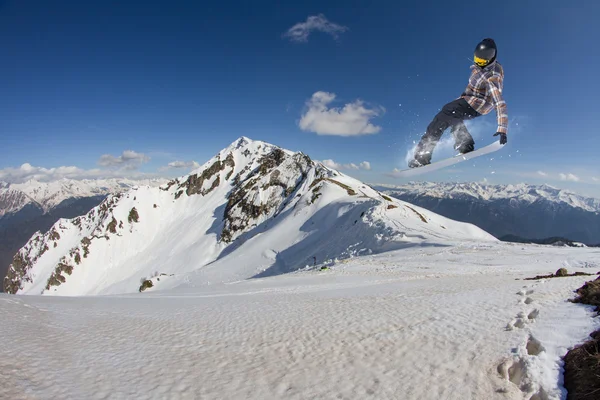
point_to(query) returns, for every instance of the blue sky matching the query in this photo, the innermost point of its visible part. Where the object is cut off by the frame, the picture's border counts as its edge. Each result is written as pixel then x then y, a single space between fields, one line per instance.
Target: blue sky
pixel 127 87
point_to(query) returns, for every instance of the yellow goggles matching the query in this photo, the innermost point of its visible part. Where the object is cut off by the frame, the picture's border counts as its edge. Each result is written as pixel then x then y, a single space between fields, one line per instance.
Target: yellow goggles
pixel 481 61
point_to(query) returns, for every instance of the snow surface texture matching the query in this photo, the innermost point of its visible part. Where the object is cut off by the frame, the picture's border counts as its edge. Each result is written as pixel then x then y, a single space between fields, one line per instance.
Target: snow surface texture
pixel 449 322
pixel 14 196
pixel 252 210
pixel 522 192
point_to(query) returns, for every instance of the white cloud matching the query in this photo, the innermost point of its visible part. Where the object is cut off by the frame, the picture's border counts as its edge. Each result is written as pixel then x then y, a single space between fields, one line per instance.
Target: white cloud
pixel 301 31
pixel 181 165
pixel 365 165
pixel 549 176
pixel 28 172
pixel 129 160
pixel 351 120
pixel 568 177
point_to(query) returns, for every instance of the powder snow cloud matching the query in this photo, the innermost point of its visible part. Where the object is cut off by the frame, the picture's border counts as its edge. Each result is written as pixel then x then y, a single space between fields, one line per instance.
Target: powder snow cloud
pixel 353 119
pixel 302 30
pixel 128 160
pixel 365 165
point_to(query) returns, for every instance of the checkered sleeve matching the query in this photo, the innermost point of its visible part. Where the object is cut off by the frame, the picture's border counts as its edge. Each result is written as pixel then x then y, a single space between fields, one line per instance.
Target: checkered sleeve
pixel 495 84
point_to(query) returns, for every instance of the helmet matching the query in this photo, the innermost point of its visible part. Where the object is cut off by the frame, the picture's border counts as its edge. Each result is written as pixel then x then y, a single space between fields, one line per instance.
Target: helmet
pixel 485 52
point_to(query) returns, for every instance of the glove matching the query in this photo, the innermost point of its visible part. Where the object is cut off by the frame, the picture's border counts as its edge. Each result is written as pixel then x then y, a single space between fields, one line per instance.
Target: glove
pixel 502 137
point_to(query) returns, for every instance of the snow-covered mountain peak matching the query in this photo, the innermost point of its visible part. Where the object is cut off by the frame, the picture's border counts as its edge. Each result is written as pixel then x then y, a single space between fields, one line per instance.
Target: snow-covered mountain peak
pixel 252 209
pixel 12 200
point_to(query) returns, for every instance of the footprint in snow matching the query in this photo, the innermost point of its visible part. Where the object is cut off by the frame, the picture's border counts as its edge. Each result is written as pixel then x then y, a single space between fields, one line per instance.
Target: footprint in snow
pixel 516 370
pixel 528 300
pixel 534 347
pixel 525 292
pixel 533 314
pixel 522 318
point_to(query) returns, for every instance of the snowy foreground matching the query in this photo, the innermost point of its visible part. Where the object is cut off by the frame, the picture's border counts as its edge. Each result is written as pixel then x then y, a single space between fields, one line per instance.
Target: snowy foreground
pixel 445 322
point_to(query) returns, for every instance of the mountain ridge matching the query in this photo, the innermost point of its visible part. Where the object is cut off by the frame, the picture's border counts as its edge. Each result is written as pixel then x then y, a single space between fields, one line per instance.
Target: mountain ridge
pixel 32 206
pixel 253 209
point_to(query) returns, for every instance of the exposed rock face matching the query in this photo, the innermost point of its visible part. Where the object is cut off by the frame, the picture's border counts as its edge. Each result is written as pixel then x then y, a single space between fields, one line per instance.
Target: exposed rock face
pixel 263 191
pixel 197 183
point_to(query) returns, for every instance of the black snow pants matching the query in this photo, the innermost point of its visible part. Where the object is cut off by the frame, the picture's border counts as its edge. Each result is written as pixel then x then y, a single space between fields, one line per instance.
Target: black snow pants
pixel 452 115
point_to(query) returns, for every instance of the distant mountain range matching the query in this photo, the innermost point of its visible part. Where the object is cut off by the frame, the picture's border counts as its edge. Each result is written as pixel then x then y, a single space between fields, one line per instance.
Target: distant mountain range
pixel 33 206
pixel 527 212
pixel 555 241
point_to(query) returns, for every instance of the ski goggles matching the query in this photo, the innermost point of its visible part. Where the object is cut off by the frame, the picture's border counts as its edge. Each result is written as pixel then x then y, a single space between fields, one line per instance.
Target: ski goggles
pixel 482 62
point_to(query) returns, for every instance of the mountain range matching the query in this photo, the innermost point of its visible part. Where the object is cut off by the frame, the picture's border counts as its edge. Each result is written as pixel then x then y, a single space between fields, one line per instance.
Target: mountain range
pixel 518 211
pixel 253 210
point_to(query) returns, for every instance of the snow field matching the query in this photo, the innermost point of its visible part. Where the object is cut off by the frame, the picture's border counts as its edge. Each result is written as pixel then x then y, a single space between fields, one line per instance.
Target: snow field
pixel 417 323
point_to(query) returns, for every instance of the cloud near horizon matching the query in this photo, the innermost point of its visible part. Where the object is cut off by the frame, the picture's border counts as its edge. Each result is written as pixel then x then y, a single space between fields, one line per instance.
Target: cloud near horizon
pixel 181 165
pixel 555 176
pixel 365 165
pixel 128 160
pixel 124 166
pixel 28 172
pixel 319 23
pixel 353 119
pixel 569 177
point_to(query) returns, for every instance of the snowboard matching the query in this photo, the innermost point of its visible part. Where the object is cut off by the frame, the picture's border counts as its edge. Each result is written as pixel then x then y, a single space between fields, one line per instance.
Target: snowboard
pixel 434 166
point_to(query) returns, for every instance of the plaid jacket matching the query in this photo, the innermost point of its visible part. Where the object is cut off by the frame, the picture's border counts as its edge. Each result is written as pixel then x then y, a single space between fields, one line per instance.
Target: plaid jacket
pixel 484 92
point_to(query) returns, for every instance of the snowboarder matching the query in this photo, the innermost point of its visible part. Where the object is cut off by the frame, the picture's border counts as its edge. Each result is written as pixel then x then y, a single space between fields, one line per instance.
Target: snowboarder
pixel 483 94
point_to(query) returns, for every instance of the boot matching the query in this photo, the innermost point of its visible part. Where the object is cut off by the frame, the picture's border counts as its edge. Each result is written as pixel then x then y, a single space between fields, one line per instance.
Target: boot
pixel 420 159
pixel 465 147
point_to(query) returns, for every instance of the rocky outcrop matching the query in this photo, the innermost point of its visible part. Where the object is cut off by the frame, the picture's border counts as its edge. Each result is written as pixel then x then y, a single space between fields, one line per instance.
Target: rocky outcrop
pixel 263 191
pixel 197 183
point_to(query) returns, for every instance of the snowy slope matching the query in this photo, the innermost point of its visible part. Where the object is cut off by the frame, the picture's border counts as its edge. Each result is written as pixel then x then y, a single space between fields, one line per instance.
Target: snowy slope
pixel 524 193
pixel 253 209
pixel 422 323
